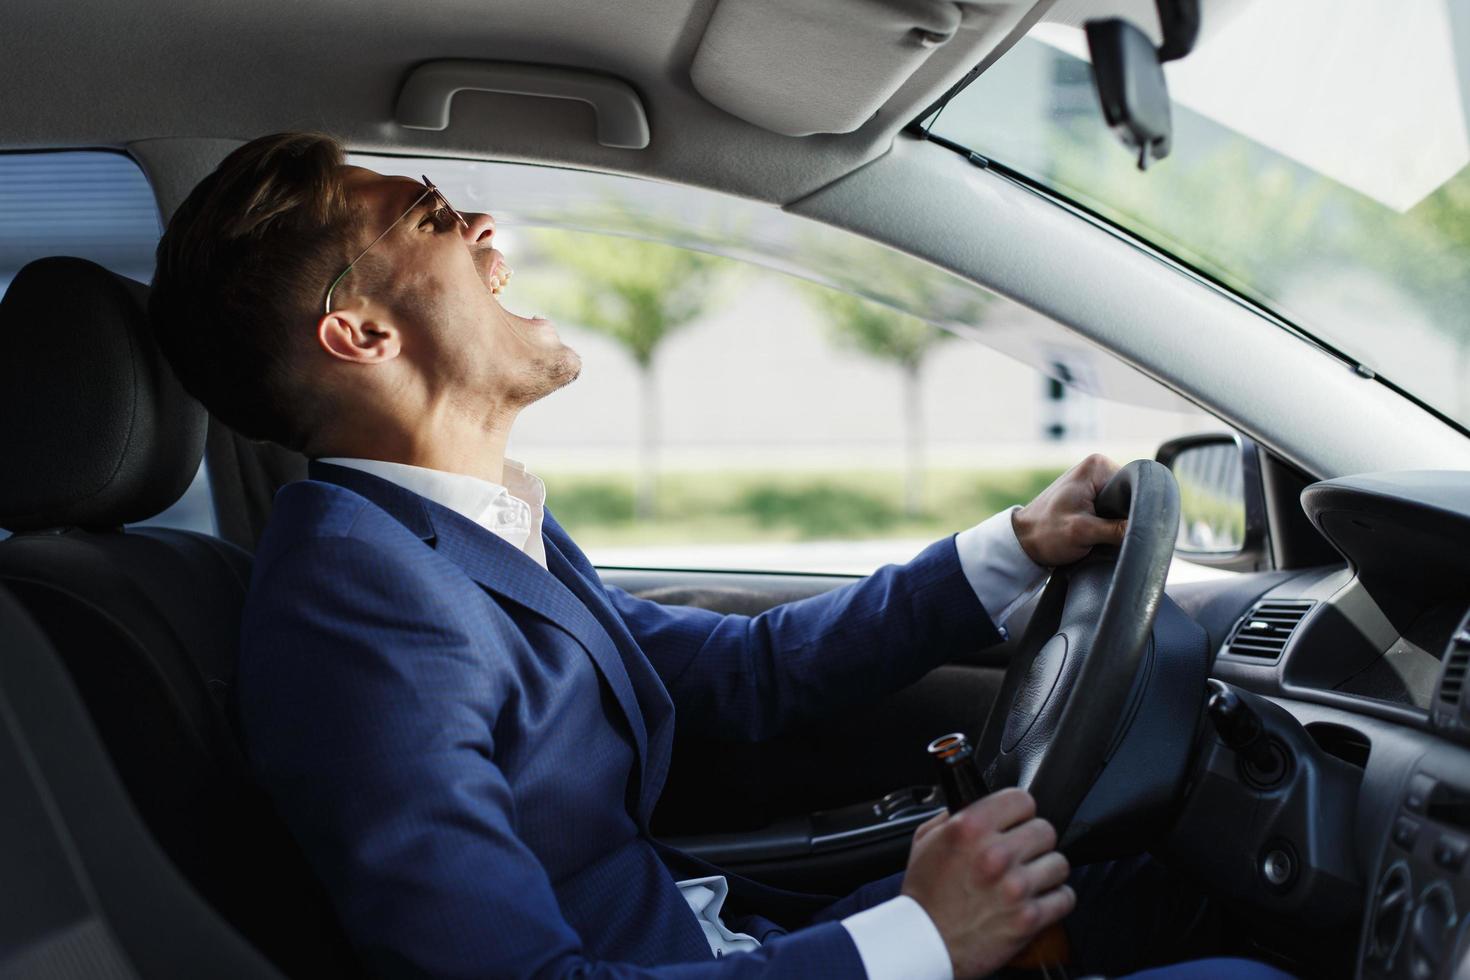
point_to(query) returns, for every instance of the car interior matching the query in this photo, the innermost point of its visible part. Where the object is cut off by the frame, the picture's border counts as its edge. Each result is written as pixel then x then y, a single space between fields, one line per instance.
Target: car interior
pixel 1291 738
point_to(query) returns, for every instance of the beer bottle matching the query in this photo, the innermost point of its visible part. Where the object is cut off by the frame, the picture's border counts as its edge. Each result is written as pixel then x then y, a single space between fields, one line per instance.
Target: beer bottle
pixel 960 779
pixel 959 771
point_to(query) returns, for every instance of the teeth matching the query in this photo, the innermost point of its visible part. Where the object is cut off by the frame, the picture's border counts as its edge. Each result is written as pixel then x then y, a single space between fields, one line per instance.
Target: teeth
pixel 500 281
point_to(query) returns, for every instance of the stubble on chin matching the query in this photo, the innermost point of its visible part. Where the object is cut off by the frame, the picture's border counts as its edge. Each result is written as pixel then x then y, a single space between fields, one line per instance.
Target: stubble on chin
pixel 547 373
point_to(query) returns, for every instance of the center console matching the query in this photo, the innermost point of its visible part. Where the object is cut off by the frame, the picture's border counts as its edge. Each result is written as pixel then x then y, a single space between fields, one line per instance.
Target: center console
pixel 1417 913
pixel 1416 920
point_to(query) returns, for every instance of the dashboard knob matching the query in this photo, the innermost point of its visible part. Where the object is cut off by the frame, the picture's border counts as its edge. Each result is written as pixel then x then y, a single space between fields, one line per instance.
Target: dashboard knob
pixel 1391 902
pixel 1433 931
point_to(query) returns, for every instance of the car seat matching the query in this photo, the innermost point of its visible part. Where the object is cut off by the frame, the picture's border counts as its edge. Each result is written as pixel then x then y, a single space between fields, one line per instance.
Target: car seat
pixel 87 894
pixel 95 433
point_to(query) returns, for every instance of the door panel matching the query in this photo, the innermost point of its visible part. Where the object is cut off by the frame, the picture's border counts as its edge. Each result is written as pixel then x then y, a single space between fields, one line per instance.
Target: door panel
pixel 806 810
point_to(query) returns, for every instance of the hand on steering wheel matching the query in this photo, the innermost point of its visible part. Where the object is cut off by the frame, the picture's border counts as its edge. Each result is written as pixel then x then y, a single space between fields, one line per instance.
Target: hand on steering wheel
pixel 1061 525
pixel 1059 709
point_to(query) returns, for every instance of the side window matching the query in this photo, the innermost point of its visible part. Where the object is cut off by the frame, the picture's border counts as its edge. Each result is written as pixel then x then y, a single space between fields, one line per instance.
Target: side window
pixel 95 205
pixel 733 414
pixel 733 417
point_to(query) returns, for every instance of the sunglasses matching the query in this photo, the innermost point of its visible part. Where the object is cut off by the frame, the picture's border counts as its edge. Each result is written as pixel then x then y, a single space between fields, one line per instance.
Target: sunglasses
pixel 429 189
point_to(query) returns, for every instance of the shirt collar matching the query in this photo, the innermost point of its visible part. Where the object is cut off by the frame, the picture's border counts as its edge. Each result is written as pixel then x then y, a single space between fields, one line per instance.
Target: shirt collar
pixel 512 510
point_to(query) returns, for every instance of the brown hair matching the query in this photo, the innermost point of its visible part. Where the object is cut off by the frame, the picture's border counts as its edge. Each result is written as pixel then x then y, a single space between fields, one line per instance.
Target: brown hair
pixel 242 272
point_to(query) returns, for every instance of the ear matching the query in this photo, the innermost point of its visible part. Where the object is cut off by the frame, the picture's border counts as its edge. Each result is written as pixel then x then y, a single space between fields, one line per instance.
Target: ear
pixel 350 335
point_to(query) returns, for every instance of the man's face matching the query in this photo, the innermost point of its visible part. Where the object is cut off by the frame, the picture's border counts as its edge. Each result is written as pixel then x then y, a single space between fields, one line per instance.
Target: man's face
pixel 431 277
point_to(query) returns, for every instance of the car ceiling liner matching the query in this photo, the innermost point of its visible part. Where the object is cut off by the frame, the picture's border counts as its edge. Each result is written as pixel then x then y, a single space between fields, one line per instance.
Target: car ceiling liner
pixel 800 67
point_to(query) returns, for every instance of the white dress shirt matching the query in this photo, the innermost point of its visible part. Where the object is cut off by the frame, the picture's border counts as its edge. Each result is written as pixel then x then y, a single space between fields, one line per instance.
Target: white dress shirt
pixel 513 511
pixel 896 939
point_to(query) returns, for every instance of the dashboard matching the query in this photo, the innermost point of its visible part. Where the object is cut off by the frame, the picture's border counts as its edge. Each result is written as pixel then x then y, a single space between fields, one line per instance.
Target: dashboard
pixel 1352 790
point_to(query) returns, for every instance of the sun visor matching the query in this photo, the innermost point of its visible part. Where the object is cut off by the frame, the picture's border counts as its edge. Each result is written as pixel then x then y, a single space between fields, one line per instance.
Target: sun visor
pixel 799 67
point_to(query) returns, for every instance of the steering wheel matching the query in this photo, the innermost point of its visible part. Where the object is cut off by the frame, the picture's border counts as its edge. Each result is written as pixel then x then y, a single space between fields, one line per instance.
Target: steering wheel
pixel 1064 701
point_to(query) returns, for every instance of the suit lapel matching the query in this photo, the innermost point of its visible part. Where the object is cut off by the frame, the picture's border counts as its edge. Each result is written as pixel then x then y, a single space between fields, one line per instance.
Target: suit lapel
pixel 506 571
pixel 656 708
pixel 509 572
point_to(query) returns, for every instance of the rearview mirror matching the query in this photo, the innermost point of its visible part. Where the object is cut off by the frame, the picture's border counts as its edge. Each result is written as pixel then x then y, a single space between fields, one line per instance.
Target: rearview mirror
pixel 1221 502
pixel 1129 73
pixel 1130 86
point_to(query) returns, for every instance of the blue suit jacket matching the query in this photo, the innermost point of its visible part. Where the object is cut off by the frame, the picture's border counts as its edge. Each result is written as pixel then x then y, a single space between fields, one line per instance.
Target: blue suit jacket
pixel 468 746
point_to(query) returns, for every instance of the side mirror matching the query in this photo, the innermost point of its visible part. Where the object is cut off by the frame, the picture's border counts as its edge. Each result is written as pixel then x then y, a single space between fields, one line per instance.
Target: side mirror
pixel 1222 506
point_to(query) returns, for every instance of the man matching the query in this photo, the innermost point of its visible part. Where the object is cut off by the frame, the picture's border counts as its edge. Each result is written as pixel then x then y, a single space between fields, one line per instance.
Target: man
pixel 465 730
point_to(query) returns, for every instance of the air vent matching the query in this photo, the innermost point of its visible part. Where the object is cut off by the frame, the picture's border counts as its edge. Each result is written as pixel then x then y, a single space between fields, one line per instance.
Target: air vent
pixel 1452 681
pixel 1264 631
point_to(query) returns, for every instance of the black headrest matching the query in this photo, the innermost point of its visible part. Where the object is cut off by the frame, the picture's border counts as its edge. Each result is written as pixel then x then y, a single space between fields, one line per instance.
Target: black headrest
pixel 95 430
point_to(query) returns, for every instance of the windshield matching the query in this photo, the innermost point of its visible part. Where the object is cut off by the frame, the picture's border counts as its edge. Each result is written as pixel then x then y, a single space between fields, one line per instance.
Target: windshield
pixel 1322 173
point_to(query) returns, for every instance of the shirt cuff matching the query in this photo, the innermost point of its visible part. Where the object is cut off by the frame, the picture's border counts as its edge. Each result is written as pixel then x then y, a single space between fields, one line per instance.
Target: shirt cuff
pixel 997 567
pixel 897 940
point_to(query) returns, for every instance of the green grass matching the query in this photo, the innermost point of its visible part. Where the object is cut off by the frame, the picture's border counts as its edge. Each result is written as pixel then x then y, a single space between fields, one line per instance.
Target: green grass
pixel 754 506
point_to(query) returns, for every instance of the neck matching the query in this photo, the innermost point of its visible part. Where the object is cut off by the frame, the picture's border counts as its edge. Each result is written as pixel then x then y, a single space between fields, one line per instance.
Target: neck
pixel 449 443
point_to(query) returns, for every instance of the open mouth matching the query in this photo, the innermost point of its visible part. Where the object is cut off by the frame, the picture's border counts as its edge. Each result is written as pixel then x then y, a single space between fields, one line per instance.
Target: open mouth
pixel 498 276
pixel 497 280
